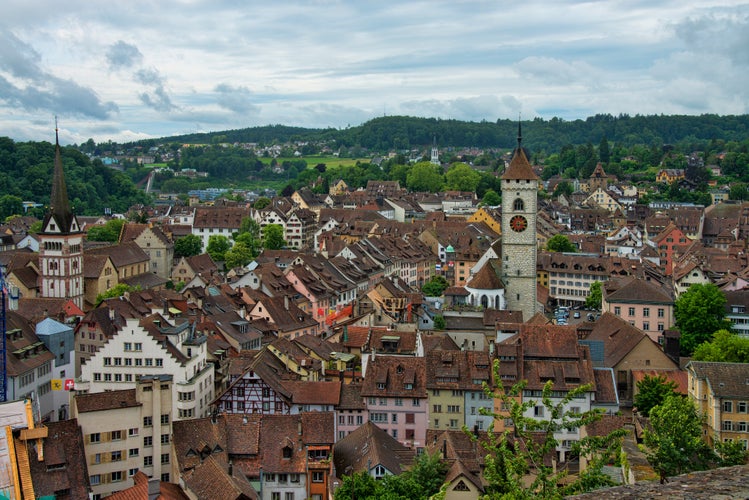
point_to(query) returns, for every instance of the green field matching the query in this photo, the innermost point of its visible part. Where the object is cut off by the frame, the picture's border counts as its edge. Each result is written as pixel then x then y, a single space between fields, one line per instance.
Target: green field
pixel 329 161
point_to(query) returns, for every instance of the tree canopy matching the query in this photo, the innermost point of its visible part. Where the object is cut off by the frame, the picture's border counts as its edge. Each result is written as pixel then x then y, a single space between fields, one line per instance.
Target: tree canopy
pixel 674 444
pixel 652 392
pixel 461 177
pixel 422 480
pixel 273 237
pixel 424 176
pixel 595 298
pixel 725 347
pixel 188 245
pixel 560 243
pixel 515 465
pixel 435 286
pixel 109 231
pixel 218 245
pixel 699 313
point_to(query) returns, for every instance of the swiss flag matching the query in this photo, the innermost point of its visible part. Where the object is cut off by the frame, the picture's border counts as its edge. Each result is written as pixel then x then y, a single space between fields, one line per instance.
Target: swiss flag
pixel 69 384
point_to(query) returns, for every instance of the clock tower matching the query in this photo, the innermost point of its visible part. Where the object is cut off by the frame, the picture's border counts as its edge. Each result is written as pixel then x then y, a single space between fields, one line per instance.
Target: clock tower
pixel 519 248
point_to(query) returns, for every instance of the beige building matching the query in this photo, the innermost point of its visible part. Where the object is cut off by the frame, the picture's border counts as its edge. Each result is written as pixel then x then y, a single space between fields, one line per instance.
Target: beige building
pixel 721 392
pixel 99 275
pixel 126 431
pixel 154 243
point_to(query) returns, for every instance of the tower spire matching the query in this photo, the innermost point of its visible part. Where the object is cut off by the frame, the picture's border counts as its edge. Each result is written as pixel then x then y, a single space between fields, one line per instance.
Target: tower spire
pixel 59 205
pixel 520 133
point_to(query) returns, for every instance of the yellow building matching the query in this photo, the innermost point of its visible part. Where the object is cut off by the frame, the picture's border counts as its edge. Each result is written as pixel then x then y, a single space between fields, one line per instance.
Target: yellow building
pixel 490 216
pixel 721 393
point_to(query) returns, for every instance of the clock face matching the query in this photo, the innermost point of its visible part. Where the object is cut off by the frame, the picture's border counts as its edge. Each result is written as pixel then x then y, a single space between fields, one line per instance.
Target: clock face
pixel 518 223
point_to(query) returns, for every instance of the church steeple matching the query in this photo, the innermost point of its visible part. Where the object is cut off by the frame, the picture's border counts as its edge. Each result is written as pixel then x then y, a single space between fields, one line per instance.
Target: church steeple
pixel 59 205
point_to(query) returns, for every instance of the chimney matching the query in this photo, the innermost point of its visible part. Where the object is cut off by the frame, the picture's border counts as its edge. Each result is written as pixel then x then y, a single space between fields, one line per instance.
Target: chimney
pixel 286 302
pixel 231 468
pixel 444 449
pixel 154 488
pixel 111 314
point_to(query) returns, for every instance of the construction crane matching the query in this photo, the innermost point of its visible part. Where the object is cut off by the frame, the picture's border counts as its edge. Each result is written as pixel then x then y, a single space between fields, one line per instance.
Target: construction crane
pixel 9 298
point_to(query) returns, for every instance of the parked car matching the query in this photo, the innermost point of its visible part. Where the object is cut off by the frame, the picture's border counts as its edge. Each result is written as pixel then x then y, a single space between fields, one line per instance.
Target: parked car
pixel 576 315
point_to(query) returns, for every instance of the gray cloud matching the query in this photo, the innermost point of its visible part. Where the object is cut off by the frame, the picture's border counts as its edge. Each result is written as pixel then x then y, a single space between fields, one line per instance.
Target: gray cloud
pixel 236 99
pixel 156 97
pixel 123 55
pixel 33 88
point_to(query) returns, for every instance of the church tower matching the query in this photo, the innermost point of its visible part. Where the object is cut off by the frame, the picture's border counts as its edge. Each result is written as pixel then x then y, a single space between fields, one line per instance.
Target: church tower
pixel 435 157
pixel 519 212
pixel 61 242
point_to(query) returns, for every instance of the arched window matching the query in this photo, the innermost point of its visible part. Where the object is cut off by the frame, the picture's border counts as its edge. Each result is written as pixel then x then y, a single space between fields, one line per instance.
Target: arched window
pixel 518 205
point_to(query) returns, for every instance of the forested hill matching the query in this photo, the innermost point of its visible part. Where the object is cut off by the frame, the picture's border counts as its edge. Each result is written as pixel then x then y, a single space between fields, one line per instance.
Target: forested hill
pixel 26 175
pixel 403 132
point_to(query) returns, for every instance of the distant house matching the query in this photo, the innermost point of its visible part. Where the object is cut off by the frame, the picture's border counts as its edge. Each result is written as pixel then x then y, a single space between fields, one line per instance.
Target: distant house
pixel 645 304
pixel 670 175
pixel 372 450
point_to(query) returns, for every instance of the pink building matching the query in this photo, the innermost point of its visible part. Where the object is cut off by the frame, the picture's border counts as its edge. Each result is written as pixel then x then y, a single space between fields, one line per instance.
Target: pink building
pixel 645 304
pixel 395 394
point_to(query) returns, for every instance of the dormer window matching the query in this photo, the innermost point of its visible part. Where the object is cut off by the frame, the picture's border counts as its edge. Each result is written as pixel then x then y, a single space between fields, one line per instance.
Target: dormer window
pixel 381 386
pixel 408 387
pixel 287 451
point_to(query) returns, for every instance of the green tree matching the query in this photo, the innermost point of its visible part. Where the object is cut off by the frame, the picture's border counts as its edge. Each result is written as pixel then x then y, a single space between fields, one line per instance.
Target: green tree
pixel 560 243
pixel 563 188
pixel 725 347
pixel 731 453
pixel 261 203
pixel 699 313
pixel 110 231
pixel 218 245
pixel 435 286
pixel 35 227
pixel 358 485
pixel 188 245
pixel 739 192
pixel 595 297
pixel 116 291
pixel 673 445
pixel 10 205
pixel 424 176
pixel 251 239
pixel 604 153
pixel 461 177
pixel 491 198
pixel 439 322
pixel 273 237
pixel 652 392
pixel 515 465
pixel 239 255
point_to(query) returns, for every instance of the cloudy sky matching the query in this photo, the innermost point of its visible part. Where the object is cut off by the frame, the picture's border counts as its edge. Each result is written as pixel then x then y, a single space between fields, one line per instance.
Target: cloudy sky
pixel 125 70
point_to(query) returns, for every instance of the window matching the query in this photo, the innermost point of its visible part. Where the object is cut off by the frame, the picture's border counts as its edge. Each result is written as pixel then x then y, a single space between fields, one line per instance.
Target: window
pixel 436 408
pixel 617 310
pixel 138 346
pixel 94 479
pixel 275 496
pixel 631 311
pixel 410 419
pixel 741 407
pixel 116 435
pixel 394 418
pixel 97 458
pixel 165 458
pixel 646 312
pixel 398 402
pixel 132 472
pixel 646 325
pixel 116 476
pixel 107 361
pixel 518 205
pixel 147 461
pixel 728 406
pixel 538 411
pixel 165 439
pixel 159 362
pixel 289 495
pixel 147 421
pixel 133 452
pixel 147 441
pixel 128 346
pixel 116 456
pixel 165 419
pixel 94 438
pixel 117 361
pixel 149 362
pixel 138 362
pixel 453 423
pixel 661 312
pixel 727 425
